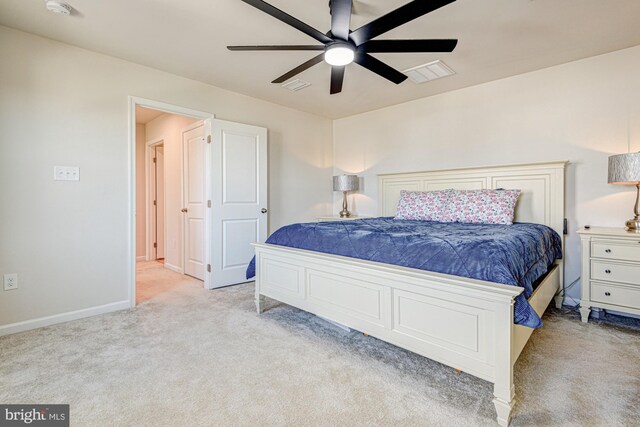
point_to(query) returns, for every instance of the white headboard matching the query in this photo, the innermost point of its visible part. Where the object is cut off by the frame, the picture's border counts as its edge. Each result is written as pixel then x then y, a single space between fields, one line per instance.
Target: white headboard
pixel 542 185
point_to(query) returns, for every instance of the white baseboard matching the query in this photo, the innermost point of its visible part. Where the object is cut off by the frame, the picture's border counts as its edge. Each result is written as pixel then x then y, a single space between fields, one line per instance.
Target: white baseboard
pixel 141 258
pixel 40 322
pixel 172 267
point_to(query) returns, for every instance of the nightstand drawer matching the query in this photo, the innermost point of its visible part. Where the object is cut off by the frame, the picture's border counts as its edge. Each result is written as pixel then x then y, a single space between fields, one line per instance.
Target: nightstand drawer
pixel 616 295
pixel 615 250
pixel 614 272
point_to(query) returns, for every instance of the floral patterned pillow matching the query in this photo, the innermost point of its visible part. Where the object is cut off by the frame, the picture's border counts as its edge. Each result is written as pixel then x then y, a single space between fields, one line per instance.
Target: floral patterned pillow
pixel 483 206
pixel 425 206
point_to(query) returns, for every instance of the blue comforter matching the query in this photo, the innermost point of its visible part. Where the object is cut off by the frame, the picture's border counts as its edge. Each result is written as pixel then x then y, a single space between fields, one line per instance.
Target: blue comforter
pixel 517 254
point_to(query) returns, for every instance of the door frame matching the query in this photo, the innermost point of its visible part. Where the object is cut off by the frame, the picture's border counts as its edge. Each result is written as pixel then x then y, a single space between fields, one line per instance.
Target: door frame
pixel 135 101
pixel 150 185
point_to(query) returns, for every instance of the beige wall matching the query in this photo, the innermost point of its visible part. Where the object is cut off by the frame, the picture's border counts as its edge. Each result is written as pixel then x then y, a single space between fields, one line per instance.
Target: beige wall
pixel 62 105
pixel 581 112
pixel 169 127
pixel 141 249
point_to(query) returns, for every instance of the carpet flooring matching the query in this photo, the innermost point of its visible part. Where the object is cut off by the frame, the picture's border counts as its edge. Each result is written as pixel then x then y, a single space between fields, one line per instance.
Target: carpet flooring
pixel 190 357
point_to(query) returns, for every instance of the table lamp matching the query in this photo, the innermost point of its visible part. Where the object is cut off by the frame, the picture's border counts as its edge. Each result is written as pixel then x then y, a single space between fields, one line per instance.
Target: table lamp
pixel 345 183
pixel 624 169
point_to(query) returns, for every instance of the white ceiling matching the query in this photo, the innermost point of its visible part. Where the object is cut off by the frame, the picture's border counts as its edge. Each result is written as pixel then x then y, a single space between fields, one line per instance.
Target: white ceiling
pixel 498 38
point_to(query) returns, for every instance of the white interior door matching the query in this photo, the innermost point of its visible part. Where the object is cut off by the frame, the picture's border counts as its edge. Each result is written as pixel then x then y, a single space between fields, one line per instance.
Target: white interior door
pixel 193 145
pixel 159 202
pixel 239 198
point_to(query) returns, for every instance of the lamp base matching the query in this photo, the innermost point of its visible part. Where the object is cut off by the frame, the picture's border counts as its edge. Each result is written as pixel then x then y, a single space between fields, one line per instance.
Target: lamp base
pixel 633 225
pixel 344 213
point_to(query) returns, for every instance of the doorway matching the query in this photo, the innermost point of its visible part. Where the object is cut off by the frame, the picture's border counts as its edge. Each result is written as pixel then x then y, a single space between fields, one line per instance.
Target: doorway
pixel 160 212
pixel 215 193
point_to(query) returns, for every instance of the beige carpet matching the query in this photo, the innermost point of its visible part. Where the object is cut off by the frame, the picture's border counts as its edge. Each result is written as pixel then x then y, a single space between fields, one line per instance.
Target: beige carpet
pixel 190 357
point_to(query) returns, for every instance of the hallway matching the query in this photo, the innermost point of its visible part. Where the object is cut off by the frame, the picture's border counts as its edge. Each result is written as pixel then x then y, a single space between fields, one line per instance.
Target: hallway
pixel 153 280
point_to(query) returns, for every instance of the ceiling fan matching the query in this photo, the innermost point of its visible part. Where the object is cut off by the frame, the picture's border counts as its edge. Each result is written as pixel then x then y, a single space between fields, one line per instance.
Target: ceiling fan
pixel 341 46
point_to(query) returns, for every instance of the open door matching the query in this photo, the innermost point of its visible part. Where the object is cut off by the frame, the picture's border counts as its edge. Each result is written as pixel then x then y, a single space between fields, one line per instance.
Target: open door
pixel 239 199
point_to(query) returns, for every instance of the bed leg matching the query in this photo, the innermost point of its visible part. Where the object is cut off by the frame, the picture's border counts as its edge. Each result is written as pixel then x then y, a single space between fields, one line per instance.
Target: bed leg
pixel 504 400
pixel 503 409
pixel 503 390
pixel 558 299
pixel 259 303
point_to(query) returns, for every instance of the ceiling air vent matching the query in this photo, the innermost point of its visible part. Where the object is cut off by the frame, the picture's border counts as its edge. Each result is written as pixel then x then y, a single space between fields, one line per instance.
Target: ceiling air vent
pixel 427 72
pixel 296 84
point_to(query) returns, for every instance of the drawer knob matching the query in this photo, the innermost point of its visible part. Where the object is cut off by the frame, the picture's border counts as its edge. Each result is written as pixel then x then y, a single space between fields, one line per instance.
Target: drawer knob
pixel 607 294
pixel 608 251
pixel 607 271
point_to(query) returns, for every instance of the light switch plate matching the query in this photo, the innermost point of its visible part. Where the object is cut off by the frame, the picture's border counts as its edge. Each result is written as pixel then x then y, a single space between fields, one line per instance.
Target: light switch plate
pixel 66 173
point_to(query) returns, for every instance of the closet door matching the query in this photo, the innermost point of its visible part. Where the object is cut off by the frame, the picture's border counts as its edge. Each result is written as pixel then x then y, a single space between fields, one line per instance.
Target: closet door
pixel 239 199
pixel 193 181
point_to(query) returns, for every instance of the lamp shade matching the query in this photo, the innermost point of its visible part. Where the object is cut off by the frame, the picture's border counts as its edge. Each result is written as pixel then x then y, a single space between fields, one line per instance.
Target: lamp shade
pixel 624 169
pixel 345 183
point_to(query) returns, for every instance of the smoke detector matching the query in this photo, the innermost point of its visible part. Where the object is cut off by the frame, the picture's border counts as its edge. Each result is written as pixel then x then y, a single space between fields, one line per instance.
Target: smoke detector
pixel 58 7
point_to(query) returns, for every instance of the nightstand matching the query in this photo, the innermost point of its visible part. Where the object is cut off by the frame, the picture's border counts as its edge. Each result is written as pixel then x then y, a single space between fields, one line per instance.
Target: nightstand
pixel 610 270
pixel 337 218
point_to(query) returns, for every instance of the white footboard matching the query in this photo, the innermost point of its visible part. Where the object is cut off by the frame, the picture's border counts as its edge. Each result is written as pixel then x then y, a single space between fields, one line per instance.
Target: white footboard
pixel 464 323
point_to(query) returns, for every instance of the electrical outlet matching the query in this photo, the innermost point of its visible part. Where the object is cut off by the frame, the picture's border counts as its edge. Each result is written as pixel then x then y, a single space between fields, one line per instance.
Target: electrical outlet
pixel 66 173
pixel 10 281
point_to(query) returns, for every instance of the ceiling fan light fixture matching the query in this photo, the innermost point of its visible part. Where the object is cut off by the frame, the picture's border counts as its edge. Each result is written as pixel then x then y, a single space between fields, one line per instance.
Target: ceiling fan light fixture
pixel 339 54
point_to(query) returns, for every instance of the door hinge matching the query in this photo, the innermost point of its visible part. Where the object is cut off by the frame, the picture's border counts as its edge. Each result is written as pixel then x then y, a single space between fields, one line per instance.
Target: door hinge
pixel 208 139
pixel 154 203
pixel 208 203
pixel 565 227
pixel 209 268
pixel 155 244
pixel 154 160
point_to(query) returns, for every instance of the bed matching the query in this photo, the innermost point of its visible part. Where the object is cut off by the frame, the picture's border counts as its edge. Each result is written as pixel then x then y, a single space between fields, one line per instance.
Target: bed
pixel 462 322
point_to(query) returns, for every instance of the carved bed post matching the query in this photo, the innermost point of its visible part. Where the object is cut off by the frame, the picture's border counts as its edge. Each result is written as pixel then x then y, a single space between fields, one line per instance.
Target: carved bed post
pixel 503 391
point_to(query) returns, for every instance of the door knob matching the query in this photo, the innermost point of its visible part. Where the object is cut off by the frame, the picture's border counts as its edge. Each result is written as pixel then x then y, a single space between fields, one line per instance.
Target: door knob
pixel 263 210
pixel 607 271
pixel 184 210
pixel 608 294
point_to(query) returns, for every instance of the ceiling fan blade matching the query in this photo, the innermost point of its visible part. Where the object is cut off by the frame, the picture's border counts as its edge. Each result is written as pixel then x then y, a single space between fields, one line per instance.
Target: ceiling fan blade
pixel 408 46
pixel 396 18
pixel 380 68
pixel 278 47
pixel 337 77
pixel 288 19
pixel 340 18
pixel 300 68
